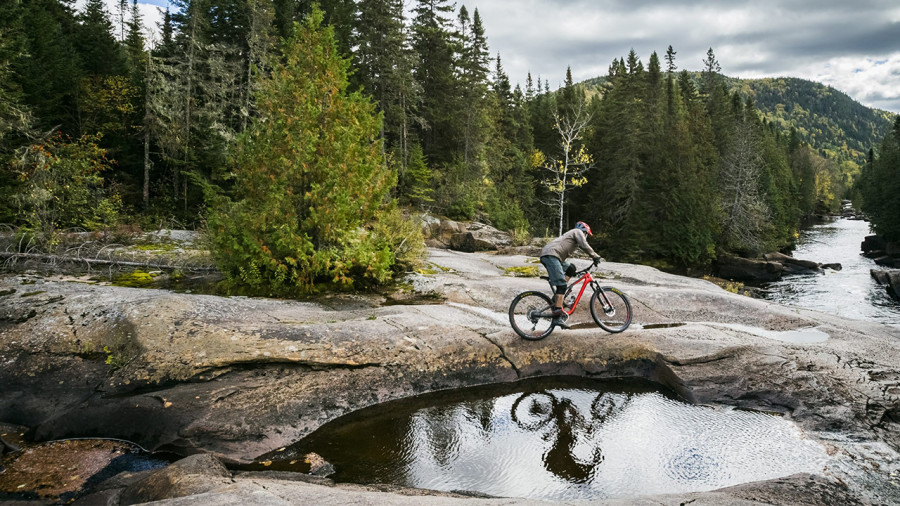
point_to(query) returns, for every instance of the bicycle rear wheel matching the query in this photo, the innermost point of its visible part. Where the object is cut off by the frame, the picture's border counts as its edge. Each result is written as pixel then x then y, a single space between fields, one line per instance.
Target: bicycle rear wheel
pixel 530 315
pixel 615 316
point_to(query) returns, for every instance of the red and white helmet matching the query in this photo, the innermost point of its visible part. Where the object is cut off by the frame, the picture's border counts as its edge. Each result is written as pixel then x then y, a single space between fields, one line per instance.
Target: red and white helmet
pixel 583 227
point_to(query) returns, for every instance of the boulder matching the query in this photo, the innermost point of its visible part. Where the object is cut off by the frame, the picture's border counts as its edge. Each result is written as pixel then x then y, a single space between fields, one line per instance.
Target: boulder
pixel 880 276
pixel 833 266
pixel 894 283
pixel 872 243
pixel 468 237
pixel 890 279
pixel 467 242
pixel 479 237
pixel 793 265
pixel 189 476
pixel 886 261
pixel 440 233
pixel 745 269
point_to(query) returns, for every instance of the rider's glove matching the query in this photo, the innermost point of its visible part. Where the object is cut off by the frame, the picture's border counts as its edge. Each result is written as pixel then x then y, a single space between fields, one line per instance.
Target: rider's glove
pixel 597 260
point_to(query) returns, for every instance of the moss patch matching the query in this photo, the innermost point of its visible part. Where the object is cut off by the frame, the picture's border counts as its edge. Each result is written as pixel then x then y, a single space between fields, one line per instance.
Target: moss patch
pixel 163 246
pixel 136 279
pixel 729 286
pixel 525 271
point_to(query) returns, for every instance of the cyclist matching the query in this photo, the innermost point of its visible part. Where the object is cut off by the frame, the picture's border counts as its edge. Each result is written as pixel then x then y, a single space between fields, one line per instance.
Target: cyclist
pixel 553 258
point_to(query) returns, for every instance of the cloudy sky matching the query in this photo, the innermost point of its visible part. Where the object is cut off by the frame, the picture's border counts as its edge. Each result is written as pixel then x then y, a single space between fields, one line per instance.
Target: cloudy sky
pixel 853 46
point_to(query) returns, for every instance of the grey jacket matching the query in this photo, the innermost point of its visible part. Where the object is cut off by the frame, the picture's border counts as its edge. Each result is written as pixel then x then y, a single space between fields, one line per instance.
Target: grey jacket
pixel 565 245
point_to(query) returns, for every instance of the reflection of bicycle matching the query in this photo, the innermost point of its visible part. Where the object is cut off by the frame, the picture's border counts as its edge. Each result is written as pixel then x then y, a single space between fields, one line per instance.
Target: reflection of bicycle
pixel 531 411
pixel 534 411
pixel 531 312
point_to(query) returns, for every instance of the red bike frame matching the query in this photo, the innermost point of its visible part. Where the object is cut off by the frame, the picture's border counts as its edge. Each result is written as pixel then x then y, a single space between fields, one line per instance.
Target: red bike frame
pixel 586 279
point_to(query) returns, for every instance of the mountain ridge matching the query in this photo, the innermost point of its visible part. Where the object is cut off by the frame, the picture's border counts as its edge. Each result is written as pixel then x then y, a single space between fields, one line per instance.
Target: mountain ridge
pixel 827 119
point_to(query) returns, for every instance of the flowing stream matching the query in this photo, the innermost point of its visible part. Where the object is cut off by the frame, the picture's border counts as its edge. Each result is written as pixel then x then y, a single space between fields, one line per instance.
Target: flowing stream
pixel 850 292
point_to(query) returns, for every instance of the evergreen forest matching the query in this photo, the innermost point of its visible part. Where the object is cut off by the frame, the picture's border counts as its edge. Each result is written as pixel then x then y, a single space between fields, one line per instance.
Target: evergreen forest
pixel 302 137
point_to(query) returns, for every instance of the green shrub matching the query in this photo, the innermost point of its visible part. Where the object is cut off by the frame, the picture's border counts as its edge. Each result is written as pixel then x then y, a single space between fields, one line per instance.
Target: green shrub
pixel 62 187
pixel 309 182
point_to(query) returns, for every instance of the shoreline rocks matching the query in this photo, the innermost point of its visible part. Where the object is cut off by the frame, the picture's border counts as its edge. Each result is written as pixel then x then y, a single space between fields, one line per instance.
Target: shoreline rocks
pixel 890 279
pixel 772 267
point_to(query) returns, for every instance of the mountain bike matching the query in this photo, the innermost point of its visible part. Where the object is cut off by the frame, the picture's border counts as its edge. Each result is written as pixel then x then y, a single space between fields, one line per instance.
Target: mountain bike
pixel 531 312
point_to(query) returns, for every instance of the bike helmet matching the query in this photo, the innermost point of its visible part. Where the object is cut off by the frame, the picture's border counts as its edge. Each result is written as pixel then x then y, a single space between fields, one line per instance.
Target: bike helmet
pixel 583 227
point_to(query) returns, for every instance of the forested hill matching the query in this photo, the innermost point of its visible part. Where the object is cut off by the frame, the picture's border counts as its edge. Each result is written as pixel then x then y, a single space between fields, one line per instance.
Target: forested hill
pixel 827 119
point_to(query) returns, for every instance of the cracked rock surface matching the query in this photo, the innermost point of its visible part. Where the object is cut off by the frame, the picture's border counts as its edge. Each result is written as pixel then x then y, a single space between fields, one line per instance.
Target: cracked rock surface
pixel 239 377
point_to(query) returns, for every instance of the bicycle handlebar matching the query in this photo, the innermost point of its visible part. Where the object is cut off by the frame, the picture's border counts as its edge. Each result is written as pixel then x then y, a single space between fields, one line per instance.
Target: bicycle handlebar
pixel 595 263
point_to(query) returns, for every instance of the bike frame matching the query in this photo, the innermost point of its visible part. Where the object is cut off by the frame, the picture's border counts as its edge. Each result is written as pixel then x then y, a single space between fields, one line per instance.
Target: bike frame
pixel 587 280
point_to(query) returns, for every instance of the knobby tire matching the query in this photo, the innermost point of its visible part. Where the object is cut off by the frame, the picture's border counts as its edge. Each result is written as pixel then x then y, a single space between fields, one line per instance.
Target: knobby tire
pixel 615 319
pixel 529 315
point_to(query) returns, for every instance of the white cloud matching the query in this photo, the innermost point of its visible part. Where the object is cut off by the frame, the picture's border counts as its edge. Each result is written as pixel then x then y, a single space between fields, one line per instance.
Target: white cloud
pixel 871 80
pixel 766 38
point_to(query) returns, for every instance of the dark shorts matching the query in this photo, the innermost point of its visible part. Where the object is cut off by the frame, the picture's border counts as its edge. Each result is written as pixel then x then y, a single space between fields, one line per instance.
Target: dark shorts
pixel 556 269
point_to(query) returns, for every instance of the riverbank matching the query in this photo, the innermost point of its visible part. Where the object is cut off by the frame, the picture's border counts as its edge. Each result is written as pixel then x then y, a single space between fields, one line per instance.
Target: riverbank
pixel 237 377
pixel 850 292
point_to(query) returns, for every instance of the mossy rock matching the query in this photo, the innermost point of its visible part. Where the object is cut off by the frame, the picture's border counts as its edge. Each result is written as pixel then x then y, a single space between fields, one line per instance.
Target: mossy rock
pixel 136 279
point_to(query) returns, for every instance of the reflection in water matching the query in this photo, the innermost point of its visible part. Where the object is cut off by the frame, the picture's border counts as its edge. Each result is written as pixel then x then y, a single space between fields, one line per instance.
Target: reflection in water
pixel 563 442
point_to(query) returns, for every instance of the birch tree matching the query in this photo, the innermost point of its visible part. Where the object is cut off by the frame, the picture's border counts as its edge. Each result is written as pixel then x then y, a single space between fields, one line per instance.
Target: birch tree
pixel 568 171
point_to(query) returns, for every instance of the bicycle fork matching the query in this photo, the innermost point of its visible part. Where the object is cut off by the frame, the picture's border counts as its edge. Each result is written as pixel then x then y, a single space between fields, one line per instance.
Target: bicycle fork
pixel 608 308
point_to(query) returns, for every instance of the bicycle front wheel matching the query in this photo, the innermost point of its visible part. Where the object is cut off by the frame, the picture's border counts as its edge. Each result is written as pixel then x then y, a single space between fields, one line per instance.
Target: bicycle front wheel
pixel 530 315
pixel 611 310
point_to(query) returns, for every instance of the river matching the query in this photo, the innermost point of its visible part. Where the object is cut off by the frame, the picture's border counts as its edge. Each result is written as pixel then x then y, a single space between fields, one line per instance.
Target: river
pixel 850 292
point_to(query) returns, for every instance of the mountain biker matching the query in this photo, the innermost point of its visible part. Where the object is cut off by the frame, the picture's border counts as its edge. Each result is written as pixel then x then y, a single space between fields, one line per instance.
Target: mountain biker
pixel 553 258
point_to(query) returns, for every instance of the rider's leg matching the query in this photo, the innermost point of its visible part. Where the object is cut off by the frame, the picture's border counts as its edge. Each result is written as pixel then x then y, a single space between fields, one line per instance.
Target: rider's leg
pixel 559 314
pixel 558 298
pixel 556 273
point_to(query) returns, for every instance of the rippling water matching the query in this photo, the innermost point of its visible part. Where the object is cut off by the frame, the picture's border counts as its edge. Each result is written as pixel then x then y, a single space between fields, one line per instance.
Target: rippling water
pixel 564 443
pixel 850 292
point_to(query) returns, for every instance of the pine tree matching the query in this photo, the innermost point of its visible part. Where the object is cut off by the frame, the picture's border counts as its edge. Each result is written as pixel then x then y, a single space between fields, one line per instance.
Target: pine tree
pixel 717 101
pixel 434 72
pixel 507 150
pixel 196 99
pixel 472 63
pixel 15 117
pixel 881 188
pixel 308 177
pixel 50 74
pixel 100 53
pixel 384 63
pixel 417 182
pixel 570 98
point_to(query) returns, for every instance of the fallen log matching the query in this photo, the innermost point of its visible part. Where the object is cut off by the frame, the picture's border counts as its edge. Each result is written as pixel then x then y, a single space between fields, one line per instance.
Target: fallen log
pixel 11 255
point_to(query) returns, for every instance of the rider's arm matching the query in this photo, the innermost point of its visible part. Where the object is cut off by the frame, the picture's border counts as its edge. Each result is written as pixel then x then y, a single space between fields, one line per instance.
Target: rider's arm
pixel 581 238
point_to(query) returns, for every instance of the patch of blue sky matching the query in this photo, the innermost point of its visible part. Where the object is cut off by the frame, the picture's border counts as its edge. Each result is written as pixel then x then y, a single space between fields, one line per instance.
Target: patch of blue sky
pixel 158 3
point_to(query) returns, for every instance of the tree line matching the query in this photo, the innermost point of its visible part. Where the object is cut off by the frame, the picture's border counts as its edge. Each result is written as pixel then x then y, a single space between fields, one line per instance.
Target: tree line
pixel 878 192
pixel 196 129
